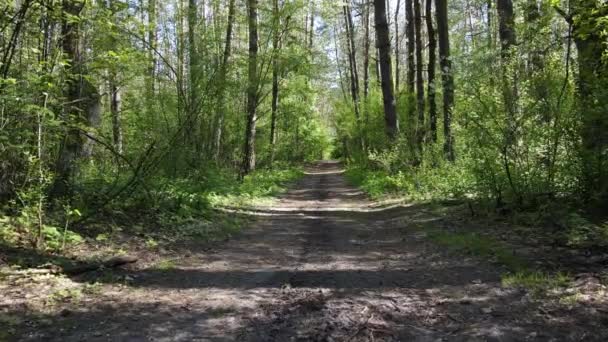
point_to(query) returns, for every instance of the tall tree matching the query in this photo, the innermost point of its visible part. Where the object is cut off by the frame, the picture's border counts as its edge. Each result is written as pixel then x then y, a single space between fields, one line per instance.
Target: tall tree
pixel 384 45
pixel 420 127
pixel 397 51
pixel 506 25
pixel 221 112
pixel 275 78
pixel 366 48
pixel 252 89
pixel 193 71
pixel 587 19
pixel 431 70
pixel 352 58
pixel 152 45
pixel 82 107
pixel 411 70
pixel 447 79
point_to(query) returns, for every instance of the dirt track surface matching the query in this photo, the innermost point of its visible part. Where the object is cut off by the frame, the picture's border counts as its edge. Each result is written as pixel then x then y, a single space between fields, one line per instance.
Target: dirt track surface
pixel 323 264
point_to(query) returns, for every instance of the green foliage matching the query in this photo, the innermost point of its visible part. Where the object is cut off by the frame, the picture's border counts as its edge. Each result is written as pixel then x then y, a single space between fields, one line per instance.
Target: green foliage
pixel 537 282
pixel 55 237
pixel 581 233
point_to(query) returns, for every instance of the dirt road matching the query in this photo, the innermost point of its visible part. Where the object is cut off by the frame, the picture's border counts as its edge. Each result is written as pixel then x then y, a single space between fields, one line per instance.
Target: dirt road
pixel 323 264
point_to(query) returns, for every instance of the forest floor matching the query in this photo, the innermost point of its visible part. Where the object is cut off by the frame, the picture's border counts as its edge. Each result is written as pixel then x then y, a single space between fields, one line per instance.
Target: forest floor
pixel 323 263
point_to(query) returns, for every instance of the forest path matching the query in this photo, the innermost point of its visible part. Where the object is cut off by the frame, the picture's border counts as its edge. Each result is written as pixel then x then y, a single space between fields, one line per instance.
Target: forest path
pixel 322 264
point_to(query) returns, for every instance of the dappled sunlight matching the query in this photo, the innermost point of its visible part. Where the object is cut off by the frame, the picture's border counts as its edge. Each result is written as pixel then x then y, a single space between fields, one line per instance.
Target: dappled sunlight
pixel 307 267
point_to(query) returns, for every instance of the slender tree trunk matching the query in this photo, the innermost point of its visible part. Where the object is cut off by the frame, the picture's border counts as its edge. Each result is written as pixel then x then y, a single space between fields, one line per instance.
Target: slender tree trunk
pixel 9 51
pixel 397 54
pixel 384 45
pixel 366 48
pixel 339 64
pixel 410 36
pixel 192 56
pixel 447 79
pixel 116 111
pixel 312 24
pixel 354 85
pixel 152 45
pixel 411 69
pixel 421 128
pixel 221 113
pixel 275 78
pixel 252 91
pixel 431 70
pixel 489 8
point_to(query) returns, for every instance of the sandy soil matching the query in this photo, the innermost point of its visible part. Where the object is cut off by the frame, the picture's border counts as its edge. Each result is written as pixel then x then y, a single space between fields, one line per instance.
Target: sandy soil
pixel 322 264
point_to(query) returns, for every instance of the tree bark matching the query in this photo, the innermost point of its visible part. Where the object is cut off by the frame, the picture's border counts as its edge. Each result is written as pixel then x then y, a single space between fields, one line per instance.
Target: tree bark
pixel 116 111
pixel 384 45
pixel 275 78
pixel 193 71
pixel 82 103
pixel 420 127
pixel 366 48
pixel 506 25
pixel 409 33
pixel 252 91
pixel 354 84
pixel 586 18
pixel 152 44
pixel 447 79
pixel 397 59
pixel 431 70
pixel 221 113
pixel 411 70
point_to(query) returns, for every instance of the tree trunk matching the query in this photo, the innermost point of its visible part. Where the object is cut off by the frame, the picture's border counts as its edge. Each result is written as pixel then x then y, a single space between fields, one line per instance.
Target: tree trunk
pixel 587 26
pixel 221 113
pixel 366 48
pixel 252 91
pixel 354 84
pixel 421 128
pixel 384 45
pixel 411 69
pixel 116 111
pixel 397 74
pixel 431 70
pixel 506 33
pixel 409 33
pixel 82 107
pixel 192 57
pixel 152 43
pixel 275 78
pixel 312 24
pixel 447 79
pixel 506 25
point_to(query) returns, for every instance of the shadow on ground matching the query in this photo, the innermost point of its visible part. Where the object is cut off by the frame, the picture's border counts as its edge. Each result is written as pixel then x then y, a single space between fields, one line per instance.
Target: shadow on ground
pixel 323 264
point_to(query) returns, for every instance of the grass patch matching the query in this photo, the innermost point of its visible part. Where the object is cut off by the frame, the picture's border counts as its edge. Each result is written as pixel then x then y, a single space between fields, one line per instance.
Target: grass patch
pixel 537 282
pixel 166 265
pixel 478 245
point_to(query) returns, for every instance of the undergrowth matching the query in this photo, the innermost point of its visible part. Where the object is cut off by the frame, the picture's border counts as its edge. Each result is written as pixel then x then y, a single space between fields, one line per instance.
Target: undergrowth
pixel 479 245
pixel 170 209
